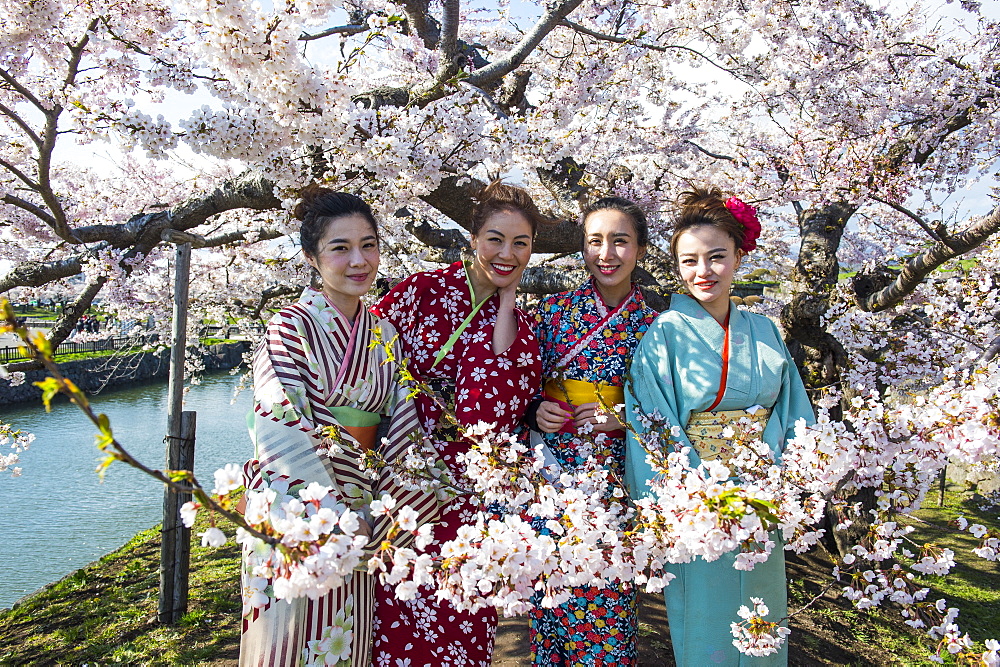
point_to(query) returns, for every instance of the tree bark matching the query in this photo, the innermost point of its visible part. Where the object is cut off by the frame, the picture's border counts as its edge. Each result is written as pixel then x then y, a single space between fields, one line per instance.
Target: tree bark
pixel 818 353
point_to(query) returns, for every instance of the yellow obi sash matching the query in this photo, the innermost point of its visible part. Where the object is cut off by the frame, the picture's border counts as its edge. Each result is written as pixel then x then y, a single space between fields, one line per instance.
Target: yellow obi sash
pixel 571 393
pixel 704 430
pixel 578 392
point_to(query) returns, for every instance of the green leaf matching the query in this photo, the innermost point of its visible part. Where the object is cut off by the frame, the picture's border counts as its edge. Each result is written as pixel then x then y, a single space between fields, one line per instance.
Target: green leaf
pixel 49 387
pixel 104 424
pixel 103 465
pixel 42 344
pixel 178 475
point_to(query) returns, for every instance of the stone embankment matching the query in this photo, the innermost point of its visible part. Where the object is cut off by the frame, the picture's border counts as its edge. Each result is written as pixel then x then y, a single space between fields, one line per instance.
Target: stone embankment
pixel 94 374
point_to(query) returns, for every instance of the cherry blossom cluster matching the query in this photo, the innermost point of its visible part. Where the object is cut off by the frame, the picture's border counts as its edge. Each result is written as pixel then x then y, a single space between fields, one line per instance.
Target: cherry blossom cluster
pixel 989 547
pixel 314 540
pixel 15 442
pixel 754 635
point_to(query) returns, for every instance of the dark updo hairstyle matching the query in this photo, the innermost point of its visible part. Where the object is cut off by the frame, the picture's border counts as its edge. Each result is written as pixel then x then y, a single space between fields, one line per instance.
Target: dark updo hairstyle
pixel 498 197
pixel 626 207
pixel 705 206
pixel 318 206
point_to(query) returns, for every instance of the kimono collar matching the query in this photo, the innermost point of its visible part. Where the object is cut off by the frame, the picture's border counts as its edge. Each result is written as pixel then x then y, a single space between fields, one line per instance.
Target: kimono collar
pixel 325 311
pixel 328 314
pixel 689 306
pixel 450 343
pixel 602 308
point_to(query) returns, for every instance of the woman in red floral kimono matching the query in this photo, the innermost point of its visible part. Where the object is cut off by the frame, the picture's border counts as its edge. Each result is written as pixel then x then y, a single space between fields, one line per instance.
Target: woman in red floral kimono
pixel 587 336
pixel 463 335
pixel 317 367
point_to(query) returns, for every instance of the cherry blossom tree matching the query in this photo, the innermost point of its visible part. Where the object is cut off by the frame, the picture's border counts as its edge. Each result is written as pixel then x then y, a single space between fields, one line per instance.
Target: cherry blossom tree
pixel 855 127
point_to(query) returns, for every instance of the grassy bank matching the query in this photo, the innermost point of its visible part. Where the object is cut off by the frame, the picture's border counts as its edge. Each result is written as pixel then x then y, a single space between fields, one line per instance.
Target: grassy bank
pixel 106 612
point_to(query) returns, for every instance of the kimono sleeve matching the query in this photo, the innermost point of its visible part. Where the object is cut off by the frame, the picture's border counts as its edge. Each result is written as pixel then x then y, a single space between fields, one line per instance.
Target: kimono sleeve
pixel 404 430
pixel 650 391
pixel 792 403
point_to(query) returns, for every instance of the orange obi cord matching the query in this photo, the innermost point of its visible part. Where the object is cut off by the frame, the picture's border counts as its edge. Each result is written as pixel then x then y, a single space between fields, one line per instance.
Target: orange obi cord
pixel 725 364
pixel 366 436
pixel 571 393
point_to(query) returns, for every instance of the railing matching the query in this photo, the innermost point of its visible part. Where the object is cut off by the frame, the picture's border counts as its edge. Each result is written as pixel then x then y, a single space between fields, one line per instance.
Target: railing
pixel 9 354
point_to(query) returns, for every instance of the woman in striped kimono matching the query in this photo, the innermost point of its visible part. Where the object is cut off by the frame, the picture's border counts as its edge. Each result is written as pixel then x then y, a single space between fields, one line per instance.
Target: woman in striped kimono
pixel 464 336
pixel 703 364
pixel 319 366
pixel 586 337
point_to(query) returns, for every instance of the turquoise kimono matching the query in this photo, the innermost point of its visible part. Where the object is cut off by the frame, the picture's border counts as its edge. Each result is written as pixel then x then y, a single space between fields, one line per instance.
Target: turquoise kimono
pixel 677 370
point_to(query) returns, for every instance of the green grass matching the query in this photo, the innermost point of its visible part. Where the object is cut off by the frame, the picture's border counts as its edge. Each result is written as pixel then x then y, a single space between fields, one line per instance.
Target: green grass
pixel 62 357
pixel 972 585
pixel 106 612
pixel 35 313
pixel 216 341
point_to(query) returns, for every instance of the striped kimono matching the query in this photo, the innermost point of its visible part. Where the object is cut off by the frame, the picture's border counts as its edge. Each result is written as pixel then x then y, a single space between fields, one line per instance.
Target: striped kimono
pixel 315 368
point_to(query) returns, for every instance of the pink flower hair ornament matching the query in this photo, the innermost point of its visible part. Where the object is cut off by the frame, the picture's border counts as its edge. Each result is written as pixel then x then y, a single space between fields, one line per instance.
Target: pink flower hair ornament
pixel 746 215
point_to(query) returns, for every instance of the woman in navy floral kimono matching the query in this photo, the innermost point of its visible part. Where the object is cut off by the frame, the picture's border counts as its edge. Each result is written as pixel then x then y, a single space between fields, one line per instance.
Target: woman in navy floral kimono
pixel 586 337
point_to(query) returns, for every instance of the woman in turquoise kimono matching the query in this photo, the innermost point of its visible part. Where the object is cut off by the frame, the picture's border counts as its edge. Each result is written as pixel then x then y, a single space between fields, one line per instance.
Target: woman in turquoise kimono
pixel 586 337
pixel 702 363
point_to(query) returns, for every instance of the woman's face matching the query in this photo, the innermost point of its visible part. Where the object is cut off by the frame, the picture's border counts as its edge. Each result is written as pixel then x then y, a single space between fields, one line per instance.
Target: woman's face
pixel 503 248
pixel 347 257
pixel 707 259
pixel 611 249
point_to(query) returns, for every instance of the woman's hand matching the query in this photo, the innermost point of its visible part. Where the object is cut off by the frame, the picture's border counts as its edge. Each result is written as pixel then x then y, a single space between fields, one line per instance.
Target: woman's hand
pixel 505 327
pixel 551 416
pixel 596 416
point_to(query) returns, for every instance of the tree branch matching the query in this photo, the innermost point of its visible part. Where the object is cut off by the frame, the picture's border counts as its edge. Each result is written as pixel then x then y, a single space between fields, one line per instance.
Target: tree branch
pixel 263 234
pixel 456 195
pixel 991 351
pixel 143 232
pixel 34 209
pixel 448 43
pixel 20 175
pixel 916 218
pixel 432 235
pixel 544 280
pixel 21 90
pixel 49 136
pixel 645 45
pixel 352 29
pixel 919 267
pixel 27 129
pixel 36 274
pixel 421 23
pixel 274 292
pixel 491 104
pixel 562 181
pixel 511 60
pixel 717 156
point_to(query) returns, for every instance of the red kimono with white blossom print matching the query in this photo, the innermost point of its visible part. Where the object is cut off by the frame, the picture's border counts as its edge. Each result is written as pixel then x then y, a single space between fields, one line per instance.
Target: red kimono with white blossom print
pixel 426 309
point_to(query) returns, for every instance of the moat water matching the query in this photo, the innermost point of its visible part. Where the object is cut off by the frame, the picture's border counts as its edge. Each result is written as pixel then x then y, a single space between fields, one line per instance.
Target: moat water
pixel 59 516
